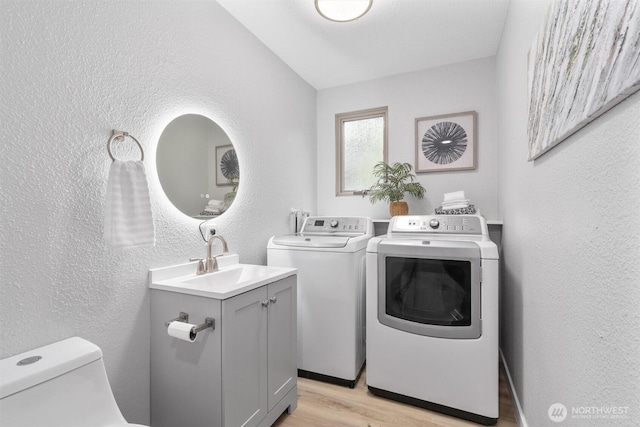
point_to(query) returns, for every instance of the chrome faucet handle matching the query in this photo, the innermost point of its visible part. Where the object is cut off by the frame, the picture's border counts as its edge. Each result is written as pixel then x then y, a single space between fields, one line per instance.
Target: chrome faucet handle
pixel 211 265
pixel 200 270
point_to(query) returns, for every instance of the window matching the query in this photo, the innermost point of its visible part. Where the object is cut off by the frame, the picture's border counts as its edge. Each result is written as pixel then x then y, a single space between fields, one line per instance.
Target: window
pixel 361 142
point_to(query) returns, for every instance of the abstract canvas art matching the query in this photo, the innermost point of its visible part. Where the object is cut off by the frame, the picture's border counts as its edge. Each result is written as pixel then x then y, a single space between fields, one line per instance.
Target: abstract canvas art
pixel 446 143
pixel 584 61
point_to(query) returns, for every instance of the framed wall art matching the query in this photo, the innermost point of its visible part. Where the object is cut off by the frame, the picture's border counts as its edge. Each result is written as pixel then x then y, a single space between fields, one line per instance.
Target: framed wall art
pixel 584 61
pixel 226 164
pixel 446 142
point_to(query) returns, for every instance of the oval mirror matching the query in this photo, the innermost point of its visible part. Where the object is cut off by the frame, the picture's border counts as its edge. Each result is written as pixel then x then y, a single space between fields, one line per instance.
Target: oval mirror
pixel 197 166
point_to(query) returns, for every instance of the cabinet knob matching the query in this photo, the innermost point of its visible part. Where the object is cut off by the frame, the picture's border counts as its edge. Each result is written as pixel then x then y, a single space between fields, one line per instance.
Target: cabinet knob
pixel 265 303
pixel 273 299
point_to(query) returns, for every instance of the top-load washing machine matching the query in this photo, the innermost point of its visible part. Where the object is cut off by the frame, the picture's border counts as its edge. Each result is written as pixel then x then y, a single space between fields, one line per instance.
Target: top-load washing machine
pixel 329 254
pixel 432 315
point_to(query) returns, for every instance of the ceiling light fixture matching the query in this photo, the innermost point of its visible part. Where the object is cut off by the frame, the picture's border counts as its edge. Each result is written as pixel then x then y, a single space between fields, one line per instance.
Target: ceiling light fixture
pixel 343 10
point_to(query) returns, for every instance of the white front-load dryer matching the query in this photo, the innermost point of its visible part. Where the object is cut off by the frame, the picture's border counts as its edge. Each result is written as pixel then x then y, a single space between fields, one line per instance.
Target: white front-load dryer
pixel 432 315
pixel 329 254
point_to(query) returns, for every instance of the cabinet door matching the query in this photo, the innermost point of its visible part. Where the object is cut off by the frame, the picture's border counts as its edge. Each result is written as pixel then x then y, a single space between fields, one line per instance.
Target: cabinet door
pixel 282 359
pixel 244 358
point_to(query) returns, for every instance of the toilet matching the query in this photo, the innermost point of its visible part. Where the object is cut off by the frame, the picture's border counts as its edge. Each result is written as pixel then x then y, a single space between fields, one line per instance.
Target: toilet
pixel 63 384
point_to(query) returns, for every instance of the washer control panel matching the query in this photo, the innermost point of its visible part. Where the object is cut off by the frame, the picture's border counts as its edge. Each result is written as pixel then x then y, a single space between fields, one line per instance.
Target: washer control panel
pixel 445 224
pixel 354 225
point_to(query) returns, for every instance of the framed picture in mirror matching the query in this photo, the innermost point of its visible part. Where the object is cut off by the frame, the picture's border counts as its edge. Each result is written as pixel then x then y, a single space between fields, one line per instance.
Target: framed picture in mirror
pixel 226 165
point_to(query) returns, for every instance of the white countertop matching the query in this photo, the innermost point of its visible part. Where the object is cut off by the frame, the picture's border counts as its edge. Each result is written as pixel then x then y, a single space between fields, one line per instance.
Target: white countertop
pixel 222 284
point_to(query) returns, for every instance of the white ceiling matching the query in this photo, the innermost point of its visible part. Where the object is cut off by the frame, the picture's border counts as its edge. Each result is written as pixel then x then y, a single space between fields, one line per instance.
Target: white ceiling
pixel 396 36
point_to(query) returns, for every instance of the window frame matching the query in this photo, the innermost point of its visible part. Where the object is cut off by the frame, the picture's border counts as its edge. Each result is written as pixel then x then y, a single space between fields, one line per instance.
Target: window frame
pixel 341 118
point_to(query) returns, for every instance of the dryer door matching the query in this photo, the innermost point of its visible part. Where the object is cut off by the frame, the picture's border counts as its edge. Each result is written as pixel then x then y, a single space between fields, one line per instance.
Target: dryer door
pixel 430 288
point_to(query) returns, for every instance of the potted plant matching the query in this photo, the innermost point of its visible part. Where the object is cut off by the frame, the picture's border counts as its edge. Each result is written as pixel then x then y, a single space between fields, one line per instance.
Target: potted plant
pixel 393 182
pixel 234 181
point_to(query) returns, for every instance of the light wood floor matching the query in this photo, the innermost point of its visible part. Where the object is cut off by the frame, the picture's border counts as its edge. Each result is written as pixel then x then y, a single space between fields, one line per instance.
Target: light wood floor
pixel 329 405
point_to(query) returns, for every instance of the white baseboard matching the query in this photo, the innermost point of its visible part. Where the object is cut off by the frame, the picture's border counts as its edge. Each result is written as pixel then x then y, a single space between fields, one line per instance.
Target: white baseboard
pixel 517 408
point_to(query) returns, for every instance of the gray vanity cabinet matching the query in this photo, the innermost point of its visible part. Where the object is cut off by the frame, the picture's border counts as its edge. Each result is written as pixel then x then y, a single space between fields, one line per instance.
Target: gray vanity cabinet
pixel 258 351
pixel 243 373
pixel 244 354
pixel 282 343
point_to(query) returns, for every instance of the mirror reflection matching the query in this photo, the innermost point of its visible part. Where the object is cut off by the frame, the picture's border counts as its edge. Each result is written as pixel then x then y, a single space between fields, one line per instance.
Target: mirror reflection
pixel 197 166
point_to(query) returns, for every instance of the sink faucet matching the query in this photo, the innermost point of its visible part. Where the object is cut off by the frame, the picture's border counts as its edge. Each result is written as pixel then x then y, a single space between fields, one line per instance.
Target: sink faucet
pixel 211 264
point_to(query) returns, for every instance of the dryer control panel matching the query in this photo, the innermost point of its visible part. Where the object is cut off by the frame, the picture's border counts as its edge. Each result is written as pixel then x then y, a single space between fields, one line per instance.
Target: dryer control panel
pixel 440 224
pixel 331 225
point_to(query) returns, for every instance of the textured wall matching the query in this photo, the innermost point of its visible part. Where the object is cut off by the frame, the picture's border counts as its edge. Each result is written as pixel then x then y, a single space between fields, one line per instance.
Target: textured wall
pixel 571 245
pixel 450 89
pixel 71 72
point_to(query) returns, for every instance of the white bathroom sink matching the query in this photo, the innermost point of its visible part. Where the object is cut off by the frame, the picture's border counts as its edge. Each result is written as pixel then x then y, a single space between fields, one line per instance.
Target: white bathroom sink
pixel 222 284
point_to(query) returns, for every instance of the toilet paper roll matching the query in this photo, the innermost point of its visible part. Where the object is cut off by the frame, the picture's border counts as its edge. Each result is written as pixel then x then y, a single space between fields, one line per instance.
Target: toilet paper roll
pixel 182 331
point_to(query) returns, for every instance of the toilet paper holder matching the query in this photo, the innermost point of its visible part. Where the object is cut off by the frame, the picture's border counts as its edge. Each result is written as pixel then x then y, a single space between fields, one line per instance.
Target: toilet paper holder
pixel 209 322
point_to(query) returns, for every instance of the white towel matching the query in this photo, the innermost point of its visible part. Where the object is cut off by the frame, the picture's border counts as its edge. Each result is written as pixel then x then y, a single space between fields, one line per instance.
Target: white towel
pixel 456 196
pixel 456 202
pixel 128 221
pixel 460 205
pixel 215 203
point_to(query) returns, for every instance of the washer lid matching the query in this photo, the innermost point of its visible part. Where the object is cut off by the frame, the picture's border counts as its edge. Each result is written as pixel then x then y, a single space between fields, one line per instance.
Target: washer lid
pixel 300 240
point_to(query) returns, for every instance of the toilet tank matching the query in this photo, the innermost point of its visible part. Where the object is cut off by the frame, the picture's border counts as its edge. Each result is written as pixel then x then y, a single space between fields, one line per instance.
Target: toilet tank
pixel 61 384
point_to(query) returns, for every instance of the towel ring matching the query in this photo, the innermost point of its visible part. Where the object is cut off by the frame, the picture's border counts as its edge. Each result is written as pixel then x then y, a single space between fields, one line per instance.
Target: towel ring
pixel 119 135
